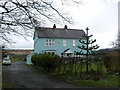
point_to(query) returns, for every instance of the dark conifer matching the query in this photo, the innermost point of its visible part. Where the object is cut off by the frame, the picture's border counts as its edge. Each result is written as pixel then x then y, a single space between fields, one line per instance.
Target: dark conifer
pixel 88 47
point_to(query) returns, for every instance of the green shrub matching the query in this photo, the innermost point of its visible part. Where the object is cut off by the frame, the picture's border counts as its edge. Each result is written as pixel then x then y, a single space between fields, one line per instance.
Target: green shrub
pixel 47 61
pixel 35 59
pixel 112 64
pixel 108 60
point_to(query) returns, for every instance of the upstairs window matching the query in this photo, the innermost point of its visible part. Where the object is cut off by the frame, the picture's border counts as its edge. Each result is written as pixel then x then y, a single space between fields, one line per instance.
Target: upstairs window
pixel 74 42
pixel 64 43
pixel 49 42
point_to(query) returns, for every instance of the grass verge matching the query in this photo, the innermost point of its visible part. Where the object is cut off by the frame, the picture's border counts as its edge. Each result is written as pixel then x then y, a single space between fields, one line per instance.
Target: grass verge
pixel 108 81
pixel 17 61
pixel 34 67
pixel 6 85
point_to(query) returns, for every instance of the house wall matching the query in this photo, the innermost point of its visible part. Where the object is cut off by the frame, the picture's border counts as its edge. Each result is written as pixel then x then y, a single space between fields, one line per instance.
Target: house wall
pixel 29 59
pixel 39 45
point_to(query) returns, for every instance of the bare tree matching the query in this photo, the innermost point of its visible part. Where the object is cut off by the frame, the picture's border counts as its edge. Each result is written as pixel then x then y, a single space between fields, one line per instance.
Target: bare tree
pixel 20 17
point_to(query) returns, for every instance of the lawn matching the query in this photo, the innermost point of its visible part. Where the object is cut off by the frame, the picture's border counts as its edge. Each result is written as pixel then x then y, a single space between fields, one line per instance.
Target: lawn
pixel 17 61
pixel 79 68
pixel 108 81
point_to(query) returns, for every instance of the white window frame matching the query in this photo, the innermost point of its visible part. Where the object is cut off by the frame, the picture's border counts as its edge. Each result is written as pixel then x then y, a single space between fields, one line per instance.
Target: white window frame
pixel 74 42
pixel 64 43
pixel 49 42
pixel 49 52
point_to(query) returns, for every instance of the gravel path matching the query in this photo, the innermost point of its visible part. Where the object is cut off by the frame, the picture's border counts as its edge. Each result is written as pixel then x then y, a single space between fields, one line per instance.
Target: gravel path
pixel 20 76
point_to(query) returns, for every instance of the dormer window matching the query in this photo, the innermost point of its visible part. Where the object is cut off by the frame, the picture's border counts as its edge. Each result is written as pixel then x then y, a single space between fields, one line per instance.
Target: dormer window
pixel 50 42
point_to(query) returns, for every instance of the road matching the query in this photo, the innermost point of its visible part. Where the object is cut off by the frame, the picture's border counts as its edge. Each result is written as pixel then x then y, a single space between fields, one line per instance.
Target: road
pixel 20 76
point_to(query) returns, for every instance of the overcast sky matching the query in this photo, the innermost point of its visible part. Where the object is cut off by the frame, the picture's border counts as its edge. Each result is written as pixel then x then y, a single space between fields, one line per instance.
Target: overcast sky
pixel 100 16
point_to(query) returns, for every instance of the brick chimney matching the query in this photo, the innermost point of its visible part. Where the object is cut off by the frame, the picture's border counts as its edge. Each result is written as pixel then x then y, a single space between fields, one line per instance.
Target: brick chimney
pixel 54 26
pixel 65 27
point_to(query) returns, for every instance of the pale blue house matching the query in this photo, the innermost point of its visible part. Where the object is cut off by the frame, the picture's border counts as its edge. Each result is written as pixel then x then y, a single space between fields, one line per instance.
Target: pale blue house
pixel 59 41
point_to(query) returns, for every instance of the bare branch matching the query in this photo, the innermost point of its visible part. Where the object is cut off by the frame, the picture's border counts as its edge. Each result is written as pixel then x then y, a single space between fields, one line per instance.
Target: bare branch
pixel 27 14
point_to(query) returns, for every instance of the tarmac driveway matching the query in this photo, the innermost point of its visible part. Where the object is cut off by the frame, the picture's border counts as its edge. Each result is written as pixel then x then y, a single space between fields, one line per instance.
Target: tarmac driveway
pixel 20 76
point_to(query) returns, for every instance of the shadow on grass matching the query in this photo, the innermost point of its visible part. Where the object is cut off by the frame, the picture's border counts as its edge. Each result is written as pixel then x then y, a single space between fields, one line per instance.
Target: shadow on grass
pixel 6 85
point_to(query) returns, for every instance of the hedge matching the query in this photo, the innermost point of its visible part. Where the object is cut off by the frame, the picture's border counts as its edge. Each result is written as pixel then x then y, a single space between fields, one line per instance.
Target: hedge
pixel 45 61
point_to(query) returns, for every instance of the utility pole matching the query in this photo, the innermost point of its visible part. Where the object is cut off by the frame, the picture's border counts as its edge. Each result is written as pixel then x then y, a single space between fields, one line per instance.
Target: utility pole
pixel 0 67
pixel 87 37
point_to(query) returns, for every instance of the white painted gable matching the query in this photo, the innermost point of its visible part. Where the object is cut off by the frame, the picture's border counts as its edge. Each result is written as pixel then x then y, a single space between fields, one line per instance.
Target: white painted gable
pixel 69 51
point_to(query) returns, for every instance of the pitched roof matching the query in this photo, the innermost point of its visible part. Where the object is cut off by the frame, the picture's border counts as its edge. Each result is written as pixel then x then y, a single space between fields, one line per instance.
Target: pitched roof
pixel 68 51
pixel 59 33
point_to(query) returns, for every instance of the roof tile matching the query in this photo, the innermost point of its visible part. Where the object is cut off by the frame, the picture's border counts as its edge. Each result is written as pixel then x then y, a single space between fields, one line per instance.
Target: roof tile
pixel 59 33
